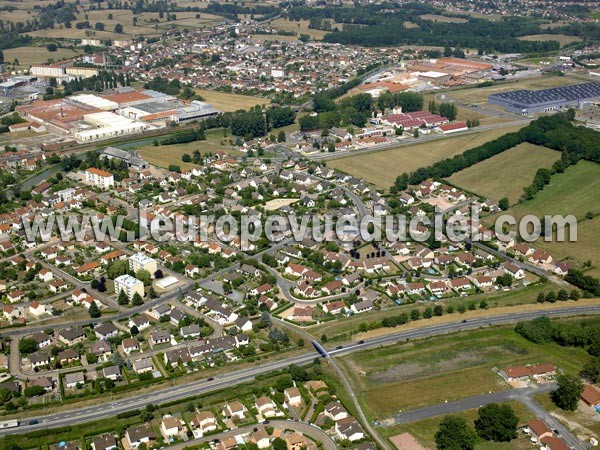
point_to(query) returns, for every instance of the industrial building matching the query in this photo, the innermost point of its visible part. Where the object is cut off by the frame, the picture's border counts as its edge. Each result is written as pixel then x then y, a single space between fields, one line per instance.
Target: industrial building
pixel 105 125
pixel 524 101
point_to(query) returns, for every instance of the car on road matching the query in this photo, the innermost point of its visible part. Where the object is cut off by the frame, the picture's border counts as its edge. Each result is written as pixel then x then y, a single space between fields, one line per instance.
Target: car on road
pixel 338 347
pixel 34 422
pixel 361 342
pixel 464 321
pixel 556 432
pixel 210 379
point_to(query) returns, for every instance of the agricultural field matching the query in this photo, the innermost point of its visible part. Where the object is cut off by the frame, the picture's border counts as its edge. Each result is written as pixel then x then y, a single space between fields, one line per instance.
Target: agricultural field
pixel 415 374
pixel 424 430
pixel 506 174
pixel 28 56
pixel 376 166
pixel 442 19
pixel 479 96
pixel 299 27
pixel 562 39
pixel 231 102
pixel 576 191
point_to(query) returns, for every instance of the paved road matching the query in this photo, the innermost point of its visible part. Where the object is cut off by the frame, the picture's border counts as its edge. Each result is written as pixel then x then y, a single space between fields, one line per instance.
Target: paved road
pixel 474 402
pixel 180 392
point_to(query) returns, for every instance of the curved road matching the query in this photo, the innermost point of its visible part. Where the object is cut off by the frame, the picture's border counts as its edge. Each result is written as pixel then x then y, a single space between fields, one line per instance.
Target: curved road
pixel 173 393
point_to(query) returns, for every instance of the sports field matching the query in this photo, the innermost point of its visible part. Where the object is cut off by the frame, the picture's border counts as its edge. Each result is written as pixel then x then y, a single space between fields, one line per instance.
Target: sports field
pixel 381 168
pixel 506 174
pixel 231 102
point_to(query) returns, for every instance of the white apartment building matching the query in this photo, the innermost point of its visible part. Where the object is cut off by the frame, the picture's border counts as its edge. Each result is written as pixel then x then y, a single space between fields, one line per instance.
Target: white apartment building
pixel 141 261
pixel 130 285
pixel 99 178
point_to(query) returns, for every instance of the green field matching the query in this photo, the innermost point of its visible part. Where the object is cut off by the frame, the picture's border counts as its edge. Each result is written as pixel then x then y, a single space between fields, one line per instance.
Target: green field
pixel 381 168
pixel 506 174
pixel 576 191
pixel 299 27
pixel 426 372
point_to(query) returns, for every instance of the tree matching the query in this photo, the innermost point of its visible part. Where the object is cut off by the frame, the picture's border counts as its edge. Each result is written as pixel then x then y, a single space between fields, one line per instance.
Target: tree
pixel 186 158
pixel 123 299
pixel 503 204
pixel 99 26
pixel 497 423
pixel 94 311
pixel 591 370
pixel 416 133
pixel 34 391
pixel 137 300
pixel 562 295
pixel 144 276
pixel 118 28
pixel 568 392
pixel 134 331
pixel 438 310
pixel 541 298
pixel 27 346
pixel 279 444
pixel 455 434
pixel 52 47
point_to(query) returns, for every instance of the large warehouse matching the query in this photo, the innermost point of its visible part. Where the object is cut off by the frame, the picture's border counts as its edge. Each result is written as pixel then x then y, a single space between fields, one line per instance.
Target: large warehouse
pixel 524 101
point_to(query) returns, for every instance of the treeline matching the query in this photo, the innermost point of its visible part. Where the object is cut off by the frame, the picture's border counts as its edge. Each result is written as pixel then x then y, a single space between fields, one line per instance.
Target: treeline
pixel 581 333
pixel 408 101
pixel 182 137
pixel 586 283
pixel 254 123
pixel 555 132
pixel 354 110
pixel 484 35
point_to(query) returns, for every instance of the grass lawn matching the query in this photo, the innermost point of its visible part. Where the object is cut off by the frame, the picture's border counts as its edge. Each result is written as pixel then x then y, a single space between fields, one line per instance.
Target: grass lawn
pixel 426 372
pixel 164 155
pixel 506 174
pixel 28 56
pixel 382 168
pixel 231 102
pixel 479 95
pixel 563 39
pixel 424 430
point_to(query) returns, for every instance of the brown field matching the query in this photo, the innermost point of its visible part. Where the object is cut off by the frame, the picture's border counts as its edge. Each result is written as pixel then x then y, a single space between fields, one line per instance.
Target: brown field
pixel 443 19
pixel 37 55
pixel 274 37
pixel 382 168
pixel 479 95
pixel 231 102
pixel 563 39
pixel 506 174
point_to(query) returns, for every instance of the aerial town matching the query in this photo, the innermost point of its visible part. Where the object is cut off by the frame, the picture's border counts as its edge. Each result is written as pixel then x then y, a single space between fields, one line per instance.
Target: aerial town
pixel 299 225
